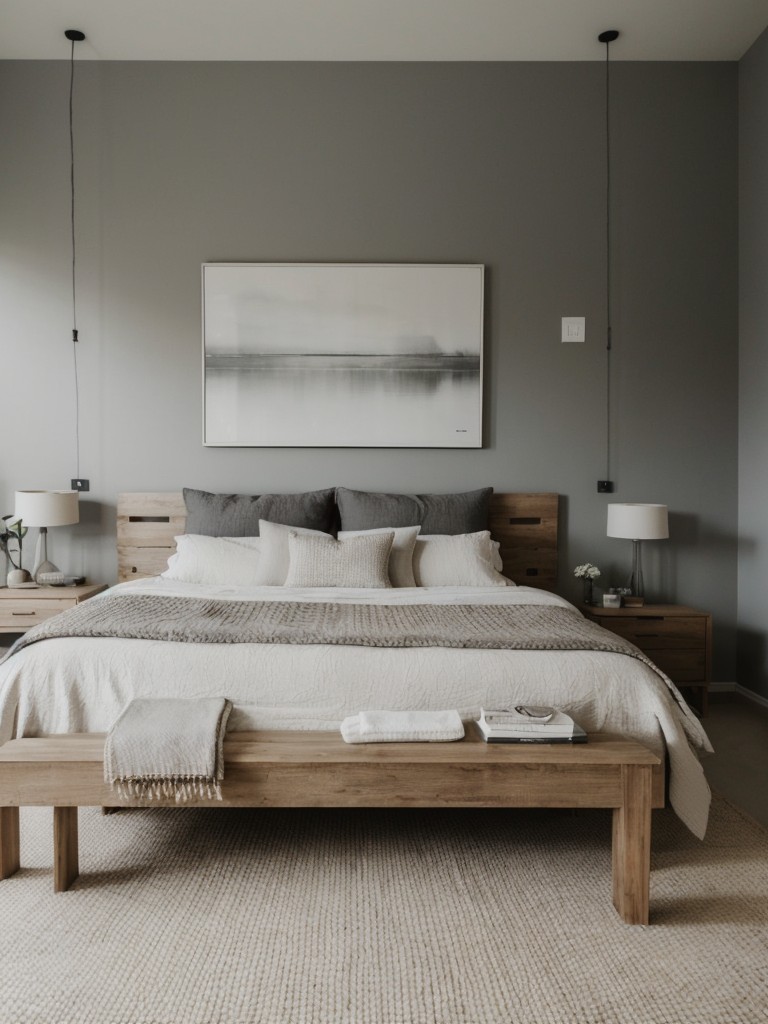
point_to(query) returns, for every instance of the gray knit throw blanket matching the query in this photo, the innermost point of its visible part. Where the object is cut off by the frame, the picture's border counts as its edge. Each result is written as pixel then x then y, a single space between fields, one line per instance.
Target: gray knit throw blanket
pixel 212 621
pixel 168 747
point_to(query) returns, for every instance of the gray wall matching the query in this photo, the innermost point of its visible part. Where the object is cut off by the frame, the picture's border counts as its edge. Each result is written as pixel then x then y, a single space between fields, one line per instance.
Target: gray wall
pixel 753 407
pixel 494 163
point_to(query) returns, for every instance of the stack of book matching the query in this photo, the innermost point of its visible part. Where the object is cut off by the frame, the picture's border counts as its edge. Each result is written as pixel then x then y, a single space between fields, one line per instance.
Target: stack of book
pixel 527 724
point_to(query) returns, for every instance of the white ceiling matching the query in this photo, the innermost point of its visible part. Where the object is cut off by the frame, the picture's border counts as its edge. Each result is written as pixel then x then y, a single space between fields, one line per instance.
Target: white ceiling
pixel 380 29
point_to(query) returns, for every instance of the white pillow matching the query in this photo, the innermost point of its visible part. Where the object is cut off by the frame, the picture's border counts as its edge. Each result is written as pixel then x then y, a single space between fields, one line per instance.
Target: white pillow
pixel 401 555
pixel 326 562
pixel 217 560
pixel 275 556
pixel 460 560
pixel 498 562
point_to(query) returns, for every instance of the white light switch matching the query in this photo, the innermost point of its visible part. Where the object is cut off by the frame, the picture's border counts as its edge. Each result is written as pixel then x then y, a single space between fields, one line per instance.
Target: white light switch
pixel 574 328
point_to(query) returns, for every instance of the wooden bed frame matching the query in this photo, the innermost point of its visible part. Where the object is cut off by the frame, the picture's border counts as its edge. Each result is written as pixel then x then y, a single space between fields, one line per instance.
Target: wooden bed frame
pixel 526 525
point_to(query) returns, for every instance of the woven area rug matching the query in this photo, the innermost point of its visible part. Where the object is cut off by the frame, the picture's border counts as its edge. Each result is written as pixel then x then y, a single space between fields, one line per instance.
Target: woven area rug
pixel 382 917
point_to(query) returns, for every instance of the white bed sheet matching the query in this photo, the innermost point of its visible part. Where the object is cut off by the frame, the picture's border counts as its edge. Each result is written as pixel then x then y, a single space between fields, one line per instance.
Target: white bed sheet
pixel 81 685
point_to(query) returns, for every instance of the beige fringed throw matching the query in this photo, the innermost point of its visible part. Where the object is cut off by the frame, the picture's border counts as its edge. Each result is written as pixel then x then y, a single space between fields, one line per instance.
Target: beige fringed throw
pixel 168 747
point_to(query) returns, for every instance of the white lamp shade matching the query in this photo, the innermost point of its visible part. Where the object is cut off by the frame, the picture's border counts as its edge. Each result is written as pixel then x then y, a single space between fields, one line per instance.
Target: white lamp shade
pixel 638 522
pixel 47 508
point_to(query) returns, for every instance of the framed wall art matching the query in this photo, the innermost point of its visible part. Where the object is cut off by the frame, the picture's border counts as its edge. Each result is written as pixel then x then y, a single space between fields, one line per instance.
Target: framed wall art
pixel 342 355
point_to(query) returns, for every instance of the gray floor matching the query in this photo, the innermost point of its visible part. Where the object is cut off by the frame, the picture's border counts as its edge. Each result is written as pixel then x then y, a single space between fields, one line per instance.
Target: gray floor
pixel 738 729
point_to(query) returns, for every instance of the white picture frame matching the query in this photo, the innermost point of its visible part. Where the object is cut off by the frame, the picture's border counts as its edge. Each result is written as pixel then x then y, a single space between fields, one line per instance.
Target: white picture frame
pixel 342 355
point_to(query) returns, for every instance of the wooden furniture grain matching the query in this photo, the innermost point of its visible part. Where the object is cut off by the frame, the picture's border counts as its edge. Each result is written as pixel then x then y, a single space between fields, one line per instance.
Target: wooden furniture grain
pixel 20 610
pixel 675 637
pixel 526 525
pixel 306 769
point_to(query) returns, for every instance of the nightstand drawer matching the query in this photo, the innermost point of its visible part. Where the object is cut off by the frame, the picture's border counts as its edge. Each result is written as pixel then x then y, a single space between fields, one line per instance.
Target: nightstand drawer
pixel 681 666
pixel 22 609
pixel 23 614
pixel 655 633
pixel 675 637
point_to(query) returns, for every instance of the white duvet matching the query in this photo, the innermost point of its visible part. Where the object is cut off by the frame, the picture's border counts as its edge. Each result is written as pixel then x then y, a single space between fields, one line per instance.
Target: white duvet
pixel 81 685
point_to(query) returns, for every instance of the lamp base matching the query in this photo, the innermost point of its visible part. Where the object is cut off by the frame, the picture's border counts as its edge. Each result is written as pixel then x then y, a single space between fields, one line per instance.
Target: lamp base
pixel 46 571
pixel 42 564
pixel 635 581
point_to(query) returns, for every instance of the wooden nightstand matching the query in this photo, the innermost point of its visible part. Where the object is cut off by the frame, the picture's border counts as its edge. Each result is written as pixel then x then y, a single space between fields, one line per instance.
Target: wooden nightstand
pixel 676 638
pixel 20 610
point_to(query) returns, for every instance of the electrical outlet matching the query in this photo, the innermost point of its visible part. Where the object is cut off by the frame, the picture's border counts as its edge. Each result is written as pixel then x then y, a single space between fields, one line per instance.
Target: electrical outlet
pixel 81 485
pixel 573 328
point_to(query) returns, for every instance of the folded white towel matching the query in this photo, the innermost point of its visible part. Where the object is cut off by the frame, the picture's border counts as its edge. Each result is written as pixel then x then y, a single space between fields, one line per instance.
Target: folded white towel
pixel 402 726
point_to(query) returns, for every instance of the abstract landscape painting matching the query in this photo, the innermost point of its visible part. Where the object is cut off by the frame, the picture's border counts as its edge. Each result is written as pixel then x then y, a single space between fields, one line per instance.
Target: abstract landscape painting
pixel 343 355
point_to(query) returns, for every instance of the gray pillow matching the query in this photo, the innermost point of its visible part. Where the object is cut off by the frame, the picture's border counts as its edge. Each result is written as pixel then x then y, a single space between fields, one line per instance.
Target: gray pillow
pixel 434 513
pixel 238 515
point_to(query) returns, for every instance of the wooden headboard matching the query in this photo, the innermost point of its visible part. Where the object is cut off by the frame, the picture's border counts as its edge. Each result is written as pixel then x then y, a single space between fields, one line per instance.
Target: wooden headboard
pixel 524 524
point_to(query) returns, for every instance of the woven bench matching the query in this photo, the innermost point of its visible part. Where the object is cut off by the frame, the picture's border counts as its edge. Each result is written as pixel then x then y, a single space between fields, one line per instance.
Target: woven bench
pixel 317 769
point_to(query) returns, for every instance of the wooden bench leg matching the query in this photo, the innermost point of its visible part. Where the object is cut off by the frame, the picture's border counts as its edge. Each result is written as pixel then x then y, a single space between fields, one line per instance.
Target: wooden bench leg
pixel 632 845
pixel 66 866
pixel 10 850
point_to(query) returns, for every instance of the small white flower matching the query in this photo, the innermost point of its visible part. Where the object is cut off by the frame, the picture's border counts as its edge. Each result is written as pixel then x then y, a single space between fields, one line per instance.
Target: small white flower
pixel 587 571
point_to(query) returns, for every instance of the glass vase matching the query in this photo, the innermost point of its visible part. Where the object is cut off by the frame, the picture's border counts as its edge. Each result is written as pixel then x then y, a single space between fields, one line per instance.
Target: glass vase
pixel 588 592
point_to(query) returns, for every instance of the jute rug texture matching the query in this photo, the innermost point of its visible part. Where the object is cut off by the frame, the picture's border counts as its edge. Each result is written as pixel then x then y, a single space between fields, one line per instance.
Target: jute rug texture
pixel 382 917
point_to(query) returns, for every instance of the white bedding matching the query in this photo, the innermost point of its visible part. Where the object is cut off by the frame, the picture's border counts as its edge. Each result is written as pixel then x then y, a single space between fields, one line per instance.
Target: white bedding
pixel 81 685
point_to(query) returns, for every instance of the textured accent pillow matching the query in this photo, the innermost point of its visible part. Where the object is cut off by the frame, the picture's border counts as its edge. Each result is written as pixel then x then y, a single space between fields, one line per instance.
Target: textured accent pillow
pixel 460 561
pixel 434 513
pixel 219 560
pixel 401 555
pixel 238 515
pixel 326 562
pixel 275 557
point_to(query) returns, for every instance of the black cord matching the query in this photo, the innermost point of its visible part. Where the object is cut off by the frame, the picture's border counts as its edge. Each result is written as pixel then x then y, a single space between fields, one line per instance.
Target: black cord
pixel 608 318
pixel 72 225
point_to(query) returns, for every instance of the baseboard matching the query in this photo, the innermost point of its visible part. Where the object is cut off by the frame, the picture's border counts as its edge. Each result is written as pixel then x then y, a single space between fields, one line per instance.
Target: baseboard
pixel 756 698
pixel 722 687
pixel 742 691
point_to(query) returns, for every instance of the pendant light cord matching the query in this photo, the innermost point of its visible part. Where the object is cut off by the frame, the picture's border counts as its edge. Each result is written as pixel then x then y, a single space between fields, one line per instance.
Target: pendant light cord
pixel 74 261
pixel 608 316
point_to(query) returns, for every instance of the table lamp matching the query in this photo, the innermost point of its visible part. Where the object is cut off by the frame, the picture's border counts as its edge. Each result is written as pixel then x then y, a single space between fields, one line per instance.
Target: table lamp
pixel 637 523
pixel 44 509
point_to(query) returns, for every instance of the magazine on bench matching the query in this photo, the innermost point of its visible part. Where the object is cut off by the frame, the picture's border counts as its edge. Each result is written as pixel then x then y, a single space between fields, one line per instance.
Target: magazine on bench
pixel 529 724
